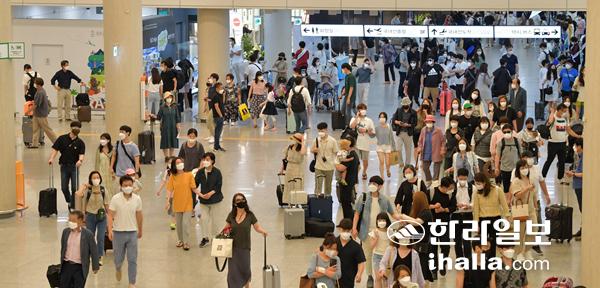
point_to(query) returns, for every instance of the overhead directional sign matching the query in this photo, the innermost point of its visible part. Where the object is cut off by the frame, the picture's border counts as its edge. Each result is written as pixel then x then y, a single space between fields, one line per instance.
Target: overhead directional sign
pixel 527 31
pixel 461 31
pixel 395 31
pixel 332 30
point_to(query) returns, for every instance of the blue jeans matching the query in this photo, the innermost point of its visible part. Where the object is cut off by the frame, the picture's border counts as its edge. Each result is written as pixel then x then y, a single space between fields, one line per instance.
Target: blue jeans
pixel 301 121
pixel 98 228
pixel 68 172
pixel 126 242
pixel 218 129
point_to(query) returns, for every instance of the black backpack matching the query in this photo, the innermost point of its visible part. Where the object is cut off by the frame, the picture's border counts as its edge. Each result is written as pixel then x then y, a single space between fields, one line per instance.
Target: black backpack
pixel 516 145
pixel 297 101
pixel 180 78
pixel 31 89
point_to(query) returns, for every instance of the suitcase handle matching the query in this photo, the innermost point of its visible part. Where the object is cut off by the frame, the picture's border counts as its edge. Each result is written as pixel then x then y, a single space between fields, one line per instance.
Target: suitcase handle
pixel 265 252
pixel 295 180
pixel 51 177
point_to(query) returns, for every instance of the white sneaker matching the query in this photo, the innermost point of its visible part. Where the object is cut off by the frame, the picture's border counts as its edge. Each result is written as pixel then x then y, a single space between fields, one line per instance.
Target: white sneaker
pixel 233 123
pixel 207 138
pixel 211 140
pixel 529 255
pixel 520 257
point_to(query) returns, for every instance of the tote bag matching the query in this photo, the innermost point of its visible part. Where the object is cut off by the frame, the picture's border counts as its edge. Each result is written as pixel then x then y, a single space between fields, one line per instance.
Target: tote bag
pixel 519 210
pixel 222 247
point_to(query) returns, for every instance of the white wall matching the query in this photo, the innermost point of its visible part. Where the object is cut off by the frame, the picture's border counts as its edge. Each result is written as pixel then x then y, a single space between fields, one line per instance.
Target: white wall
pixel 78 38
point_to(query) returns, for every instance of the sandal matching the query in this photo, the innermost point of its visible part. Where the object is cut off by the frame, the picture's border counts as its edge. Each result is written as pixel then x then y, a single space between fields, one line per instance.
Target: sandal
pixel 389 174
pixel 186 247
pixel 179 244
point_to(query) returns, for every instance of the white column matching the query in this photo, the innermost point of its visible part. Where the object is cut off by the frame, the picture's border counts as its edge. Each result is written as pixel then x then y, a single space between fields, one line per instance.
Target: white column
pixel 278 35
pixel 123 69
pixel 8 199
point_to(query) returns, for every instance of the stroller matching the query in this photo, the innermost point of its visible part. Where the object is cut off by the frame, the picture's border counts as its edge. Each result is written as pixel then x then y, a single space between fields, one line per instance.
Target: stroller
pixel 326 95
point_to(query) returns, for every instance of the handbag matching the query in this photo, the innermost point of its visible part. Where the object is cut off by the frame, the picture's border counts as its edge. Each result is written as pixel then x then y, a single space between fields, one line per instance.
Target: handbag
pixel 307 282
pixel 244 112
pixel 222 246
pixel 520 211
pixel 311 167
pixel 395 154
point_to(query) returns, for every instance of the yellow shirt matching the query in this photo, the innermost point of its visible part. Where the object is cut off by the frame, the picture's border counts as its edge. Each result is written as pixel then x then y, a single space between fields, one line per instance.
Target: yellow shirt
pixel 182 184
pixel 491 206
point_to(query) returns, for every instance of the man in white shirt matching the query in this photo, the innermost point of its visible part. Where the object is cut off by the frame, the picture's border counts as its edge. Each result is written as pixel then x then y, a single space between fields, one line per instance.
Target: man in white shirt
pixel 459 70
pixel 560 130
pixel 237 61
pixel 125 228
pixel 299 103
pixel 28 82
pixel 366 131
pixel 325 149
pixel 252 69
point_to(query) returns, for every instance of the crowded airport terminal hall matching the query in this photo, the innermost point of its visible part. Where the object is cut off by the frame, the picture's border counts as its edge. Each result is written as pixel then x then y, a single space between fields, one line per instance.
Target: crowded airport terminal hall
pixel 311 144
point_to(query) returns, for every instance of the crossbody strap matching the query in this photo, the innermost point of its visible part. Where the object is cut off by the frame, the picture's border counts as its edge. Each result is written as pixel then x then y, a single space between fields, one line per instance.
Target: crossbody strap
pixel 126 153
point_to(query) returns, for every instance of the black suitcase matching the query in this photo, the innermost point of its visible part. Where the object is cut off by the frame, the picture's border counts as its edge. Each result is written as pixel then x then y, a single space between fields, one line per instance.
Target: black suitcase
pixel 47 198
pixel 318 228
pixel 53 275
pixel 147 147
pixel 280 188
pixel 108 245
pixel 320 207
pixel 539 111
pixel 338 121
pixel 561 222
pixel 82 98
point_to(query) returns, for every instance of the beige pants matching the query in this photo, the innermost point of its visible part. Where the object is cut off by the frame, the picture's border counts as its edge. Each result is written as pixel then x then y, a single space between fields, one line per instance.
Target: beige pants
pixel 182 220
pixel 64 100
pixel 209 219
pixel 434 92
pixel 41 123
pixel 210 125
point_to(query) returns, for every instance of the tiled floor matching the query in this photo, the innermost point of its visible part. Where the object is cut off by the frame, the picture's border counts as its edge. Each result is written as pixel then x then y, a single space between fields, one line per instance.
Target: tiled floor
pixel 250 165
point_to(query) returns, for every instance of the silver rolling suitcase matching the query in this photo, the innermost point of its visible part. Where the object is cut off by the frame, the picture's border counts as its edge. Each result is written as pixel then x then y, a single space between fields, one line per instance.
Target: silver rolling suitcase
pixel 293 223
pixel 271 273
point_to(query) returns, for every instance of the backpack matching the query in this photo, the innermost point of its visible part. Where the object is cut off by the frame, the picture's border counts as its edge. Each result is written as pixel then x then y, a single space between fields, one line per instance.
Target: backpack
pixel 544 131
pixel 516 145
pixel 31 89
pixel 180 78
pixel 297 101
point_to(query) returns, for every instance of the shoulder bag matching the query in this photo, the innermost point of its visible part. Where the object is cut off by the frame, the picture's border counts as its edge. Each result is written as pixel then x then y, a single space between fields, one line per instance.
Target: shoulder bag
pixel 139 172
pixel 305 280
pixel 222 246
pixel 519 210
pixel 314 161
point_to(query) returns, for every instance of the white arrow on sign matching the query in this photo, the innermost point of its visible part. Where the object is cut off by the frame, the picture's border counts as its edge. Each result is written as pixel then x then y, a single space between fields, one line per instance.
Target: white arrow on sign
pixel 332 30
pixel 396 31
pixel 527 31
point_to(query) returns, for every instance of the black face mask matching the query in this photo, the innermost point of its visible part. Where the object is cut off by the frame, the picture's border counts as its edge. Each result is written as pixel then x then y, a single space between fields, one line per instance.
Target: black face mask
pixel 425 107
pixel 241 205
pixel 75 131
pixel 405 107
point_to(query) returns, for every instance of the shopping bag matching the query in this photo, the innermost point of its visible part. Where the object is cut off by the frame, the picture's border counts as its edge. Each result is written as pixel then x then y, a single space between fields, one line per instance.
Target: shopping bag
pixel 520 211
pixel 395 158
pixel 222 247
pixel 244 112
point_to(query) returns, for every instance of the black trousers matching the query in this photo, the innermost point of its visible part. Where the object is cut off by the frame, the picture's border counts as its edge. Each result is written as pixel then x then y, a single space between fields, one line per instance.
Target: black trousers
pixel 462 248
pixel 555 150
pixel 71 275
pixel 491 234
pixel 445 249
pixel 505 175
pixel 459 92
pixel 389 70
pixel 354 55
pixel 401 84
pixel 346 197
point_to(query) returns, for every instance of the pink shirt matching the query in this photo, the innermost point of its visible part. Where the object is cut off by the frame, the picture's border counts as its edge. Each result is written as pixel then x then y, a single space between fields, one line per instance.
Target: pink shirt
pixel 73 252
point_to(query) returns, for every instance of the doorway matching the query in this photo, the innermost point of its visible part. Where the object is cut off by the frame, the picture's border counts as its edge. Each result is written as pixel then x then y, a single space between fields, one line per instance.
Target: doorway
pixel 46 61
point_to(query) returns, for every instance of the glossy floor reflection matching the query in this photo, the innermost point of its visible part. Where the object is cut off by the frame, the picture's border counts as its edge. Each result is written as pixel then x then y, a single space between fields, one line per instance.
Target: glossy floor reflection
pixel 250 165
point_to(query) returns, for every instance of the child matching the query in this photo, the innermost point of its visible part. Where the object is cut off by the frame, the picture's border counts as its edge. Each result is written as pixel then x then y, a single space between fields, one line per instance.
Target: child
pixel 137 185
pixel 270 111
pixel 163 184
pixel 379 242
pixel 340 159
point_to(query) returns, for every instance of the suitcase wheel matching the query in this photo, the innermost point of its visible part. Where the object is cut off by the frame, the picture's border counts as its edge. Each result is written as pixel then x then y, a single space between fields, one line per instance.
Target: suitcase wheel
pixel 288 237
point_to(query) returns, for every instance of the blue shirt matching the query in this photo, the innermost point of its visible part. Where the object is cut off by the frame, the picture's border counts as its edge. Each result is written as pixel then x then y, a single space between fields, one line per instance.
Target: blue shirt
pixel 578 181
pixel 567 78
pixel 428 146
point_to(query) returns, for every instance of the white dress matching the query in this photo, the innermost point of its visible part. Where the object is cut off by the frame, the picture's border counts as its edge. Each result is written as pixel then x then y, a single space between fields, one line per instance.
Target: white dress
pixel 484 85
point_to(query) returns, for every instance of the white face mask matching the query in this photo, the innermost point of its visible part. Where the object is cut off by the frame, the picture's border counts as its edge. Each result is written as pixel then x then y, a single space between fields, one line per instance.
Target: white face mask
pixel 72 225
pixel 103 142
pixel 127 190
pixel 484 126
pixel 322 134
pixel 509 52
pixel 479 186
pixel 454 106
pixel 96 182
pixel 192 140
pixel 363 112
pixel 567 104
pixel 462 183
pixel 507 135
pixel 430 62
pixel 409 176
pixel 180 166
pixel 462 147
pixel 122 136
pixel 404 281
pixel 513 86
pixel 67 67
pixel 429 125
pixel 381 224
pixel 206 163
pixel 228 81
pixel 530 161
pixel 474 96
pixel 453 124
pixel 503 104
pixel 330 253
pixel 260 78
pixel 366 65
pixel 569 66
pixel 479 52
pixel 509 253
pixel 372 188
pixel 345 236
pixel 413 65
pixel 382 120
pixel 169 100
pixel 525 171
